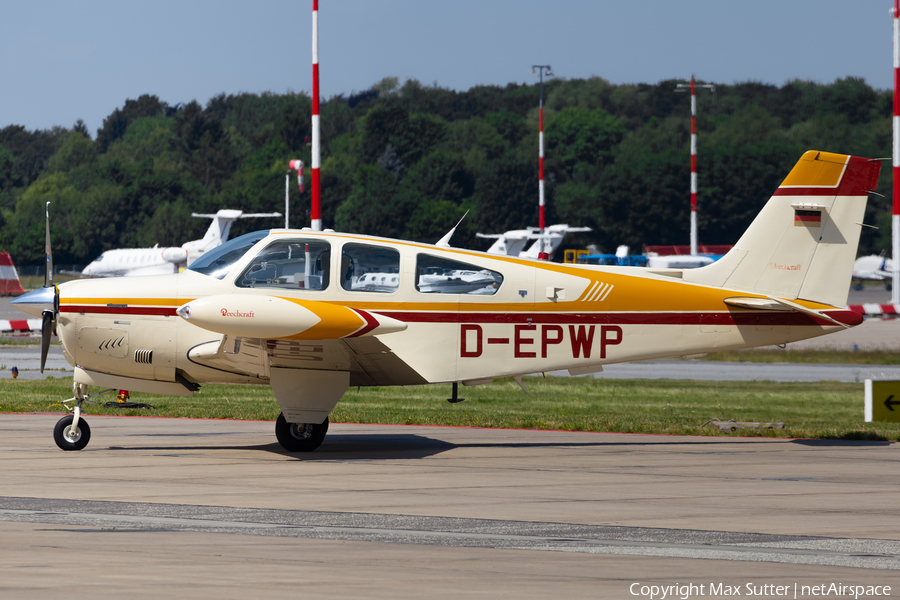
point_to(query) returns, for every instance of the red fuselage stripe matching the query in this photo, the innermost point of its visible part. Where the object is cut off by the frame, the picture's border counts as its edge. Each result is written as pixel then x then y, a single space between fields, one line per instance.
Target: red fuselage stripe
pixel 762 319
pixel 371 323
pixel 118 310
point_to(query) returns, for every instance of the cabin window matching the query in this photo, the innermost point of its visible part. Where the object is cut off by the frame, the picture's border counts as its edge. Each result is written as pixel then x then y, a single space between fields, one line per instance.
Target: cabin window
pixel 435 275
pixel 367 268
pixel 289 264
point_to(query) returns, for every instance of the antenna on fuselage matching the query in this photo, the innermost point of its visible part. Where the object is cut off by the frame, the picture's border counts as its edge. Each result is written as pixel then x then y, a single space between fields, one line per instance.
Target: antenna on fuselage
pixel 444 242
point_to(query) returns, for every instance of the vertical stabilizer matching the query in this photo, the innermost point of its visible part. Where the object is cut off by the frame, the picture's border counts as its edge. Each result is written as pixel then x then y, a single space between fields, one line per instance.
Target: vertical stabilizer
pixel 219 228
pixel 803 243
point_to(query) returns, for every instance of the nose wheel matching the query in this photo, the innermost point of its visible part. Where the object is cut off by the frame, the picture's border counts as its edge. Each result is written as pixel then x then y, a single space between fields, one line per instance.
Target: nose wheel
pixel 70 435
pixel 72 432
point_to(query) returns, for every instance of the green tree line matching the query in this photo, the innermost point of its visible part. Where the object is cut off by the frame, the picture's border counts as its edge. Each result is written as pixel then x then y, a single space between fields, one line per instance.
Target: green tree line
pixel 409 160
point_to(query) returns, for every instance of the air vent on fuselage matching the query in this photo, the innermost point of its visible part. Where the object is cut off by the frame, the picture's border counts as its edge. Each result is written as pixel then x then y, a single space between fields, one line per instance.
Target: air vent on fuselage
pixel 143 356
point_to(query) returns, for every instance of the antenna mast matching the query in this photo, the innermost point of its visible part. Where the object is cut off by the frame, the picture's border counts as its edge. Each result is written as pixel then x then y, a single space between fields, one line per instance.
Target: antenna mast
pixel 680 87
pixel 316 216
pixel 895 216
pixel 542 223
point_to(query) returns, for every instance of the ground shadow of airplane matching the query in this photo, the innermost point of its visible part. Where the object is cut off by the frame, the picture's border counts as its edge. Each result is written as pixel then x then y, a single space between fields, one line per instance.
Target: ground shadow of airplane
pixel 405 446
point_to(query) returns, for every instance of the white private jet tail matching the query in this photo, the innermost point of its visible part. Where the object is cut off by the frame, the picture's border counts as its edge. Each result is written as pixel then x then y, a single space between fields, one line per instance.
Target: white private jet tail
pixel 803 243
pixel 513 242
pixel 220 228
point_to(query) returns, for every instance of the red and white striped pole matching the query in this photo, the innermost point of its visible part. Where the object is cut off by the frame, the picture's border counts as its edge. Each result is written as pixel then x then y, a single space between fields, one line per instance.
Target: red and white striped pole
pixel 693 169
pixel 680 87
pixel 542 223
pixel 316 216
pixel 293 165
pixel 895 216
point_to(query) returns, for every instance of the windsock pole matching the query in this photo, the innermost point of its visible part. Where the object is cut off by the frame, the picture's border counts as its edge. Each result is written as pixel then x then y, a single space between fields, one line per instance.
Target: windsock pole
pixel 287 199
pixel 316 215
pixel 895 216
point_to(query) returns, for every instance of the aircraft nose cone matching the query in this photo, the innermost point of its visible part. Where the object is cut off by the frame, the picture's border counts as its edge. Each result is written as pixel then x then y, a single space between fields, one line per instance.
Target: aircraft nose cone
pixel 35 302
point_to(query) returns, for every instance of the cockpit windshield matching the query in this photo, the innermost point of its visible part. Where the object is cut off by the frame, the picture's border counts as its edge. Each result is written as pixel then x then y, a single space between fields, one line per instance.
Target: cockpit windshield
pixel 218 262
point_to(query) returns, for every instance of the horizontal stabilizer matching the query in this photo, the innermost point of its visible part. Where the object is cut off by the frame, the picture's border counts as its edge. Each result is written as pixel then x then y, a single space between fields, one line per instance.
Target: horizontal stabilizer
pixel 782 305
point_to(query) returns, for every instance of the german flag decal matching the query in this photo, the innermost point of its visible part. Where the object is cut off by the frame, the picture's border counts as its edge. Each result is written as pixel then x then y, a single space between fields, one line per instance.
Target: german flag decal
pixel 807 218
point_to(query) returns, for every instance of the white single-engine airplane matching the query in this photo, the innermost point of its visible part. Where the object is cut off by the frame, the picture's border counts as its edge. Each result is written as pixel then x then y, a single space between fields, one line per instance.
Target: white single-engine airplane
pixel 286 308
pixel 138 262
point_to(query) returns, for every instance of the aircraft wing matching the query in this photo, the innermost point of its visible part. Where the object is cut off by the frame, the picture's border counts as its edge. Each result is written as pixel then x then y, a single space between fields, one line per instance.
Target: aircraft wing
pixel 872 275
pixel 368 360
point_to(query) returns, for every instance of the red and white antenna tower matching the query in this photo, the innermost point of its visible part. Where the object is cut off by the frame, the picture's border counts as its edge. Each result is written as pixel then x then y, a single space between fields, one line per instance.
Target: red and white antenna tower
pixel 895 216
pixel 316 215
pixel 680 87
pixel 542 223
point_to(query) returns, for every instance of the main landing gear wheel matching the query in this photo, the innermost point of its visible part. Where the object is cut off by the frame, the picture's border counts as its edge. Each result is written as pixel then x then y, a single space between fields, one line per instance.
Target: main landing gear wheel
pixel 300 437
pixel 69 438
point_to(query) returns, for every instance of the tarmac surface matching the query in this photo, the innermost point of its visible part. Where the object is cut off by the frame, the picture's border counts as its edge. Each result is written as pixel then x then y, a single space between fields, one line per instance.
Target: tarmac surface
pixel 191 508
pixel 200 508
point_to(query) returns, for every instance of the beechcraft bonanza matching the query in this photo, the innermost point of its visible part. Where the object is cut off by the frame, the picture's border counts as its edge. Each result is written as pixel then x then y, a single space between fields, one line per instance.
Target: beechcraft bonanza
pixel 131 262
pixel 294 310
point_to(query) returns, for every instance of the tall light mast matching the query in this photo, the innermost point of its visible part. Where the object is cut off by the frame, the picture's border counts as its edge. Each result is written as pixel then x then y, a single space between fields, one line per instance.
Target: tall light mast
pixel 316 215
pixel 542 223
pixel 895 216
pixel 680 87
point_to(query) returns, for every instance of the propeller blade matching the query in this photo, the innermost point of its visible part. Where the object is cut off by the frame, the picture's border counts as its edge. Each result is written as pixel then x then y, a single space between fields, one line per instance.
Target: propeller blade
pixel 48 267
pixel 46 333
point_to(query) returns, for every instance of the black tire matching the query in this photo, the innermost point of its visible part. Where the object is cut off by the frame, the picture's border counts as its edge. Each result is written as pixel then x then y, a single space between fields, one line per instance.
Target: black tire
pixel 64 437
pixel 300 437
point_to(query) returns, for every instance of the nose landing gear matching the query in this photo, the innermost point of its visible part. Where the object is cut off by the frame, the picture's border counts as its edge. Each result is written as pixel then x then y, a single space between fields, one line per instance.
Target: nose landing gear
pixel 72 432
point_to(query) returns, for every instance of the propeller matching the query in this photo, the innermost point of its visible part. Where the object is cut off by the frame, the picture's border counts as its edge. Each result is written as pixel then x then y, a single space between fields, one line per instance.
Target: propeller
pixel 48 317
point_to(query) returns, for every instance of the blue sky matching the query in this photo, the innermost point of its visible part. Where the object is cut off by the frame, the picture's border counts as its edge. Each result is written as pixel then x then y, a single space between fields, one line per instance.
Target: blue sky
pixel 61 61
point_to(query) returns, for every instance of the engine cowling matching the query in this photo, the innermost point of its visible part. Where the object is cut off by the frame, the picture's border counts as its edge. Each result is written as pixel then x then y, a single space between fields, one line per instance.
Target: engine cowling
pixel 175 255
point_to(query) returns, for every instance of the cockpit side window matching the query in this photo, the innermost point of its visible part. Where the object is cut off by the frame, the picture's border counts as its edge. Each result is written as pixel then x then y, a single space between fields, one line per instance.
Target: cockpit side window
pixel 295 264
pixel 367 268
pixel 436 275
pixel 218 262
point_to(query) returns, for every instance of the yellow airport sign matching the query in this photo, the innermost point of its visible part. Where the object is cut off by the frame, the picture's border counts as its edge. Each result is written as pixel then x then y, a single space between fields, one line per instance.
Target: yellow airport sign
pixel 883 401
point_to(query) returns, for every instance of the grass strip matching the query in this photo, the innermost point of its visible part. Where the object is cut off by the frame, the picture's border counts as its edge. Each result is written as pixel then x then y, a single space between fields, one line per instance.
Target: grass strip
pixel 846 357
pixel 825 410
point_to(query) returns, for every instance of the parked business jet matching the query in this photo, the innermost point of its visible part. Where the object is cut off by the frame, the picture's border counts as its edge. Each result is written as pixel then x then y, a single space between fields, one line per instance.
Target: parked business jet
pixel 133 262
pixel 513 242
pixel 873 268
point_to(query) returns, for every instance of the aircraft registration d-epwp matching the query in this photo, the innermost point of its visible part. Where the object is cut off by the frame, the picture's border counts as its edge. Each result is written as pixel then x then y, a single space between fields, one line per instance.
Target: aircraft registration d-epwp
pixel 312 313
